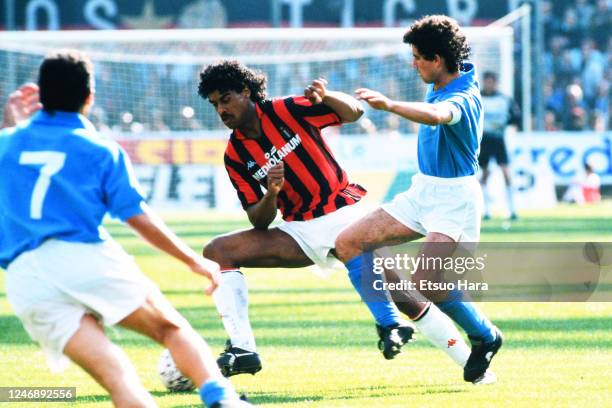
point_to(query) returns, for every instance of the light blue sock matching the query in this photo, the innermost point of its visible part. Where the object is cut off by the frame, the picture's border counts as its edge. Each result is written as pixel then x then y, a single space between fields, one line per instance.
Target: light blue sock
pixel 468 317
pixel 215 390
pixel 362 276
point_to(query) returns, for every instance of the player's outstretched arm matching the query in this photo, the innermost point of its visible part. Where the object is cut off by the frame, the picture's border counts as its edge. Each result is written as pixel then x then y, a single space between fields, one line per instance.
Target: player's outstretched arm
pixel 264 211
pixel 21 105
pixel 156 232
pixel 346 107
pixel 421 112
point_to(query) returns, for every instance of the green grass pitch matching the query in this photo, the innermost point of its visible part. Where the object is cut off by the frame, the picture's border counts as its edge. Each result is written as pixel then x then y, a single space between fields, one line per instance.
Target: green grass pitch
pixel 318 342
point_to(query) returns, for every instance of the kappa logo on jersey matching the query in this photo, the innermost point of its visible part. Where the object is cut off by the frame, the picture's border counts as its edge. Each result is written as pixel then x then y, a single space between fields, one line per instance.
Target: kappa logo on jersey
pixel 275 156
pixel 250 164
pixel 451 343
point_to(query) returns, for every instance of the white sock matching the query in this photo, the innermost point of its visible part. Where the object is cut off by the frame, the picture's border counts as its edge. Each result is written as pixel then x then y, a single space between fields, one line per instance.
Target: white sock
pixel 440 330
pixel 510 200
pixel 232 301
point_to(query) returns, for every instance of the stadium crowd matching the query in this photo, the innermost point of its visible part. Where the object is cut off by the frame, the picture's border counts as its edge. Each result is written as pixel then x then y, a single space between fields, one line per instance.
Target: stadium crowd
pixel 577 64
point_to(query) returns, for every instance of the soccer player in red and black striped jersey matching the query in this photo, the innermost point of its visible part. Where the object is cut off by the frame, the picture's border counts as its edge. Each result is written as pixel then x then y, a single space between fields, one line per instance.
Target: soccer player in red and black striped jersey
pixel 276 144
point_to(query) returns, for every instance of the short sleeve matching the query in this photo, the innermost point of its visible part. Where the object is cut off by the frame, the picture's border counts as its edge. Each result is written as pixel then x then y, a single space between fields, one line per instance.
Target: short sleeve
pixel 454 109
pixel 458 106
pixel 121 192
pixel 248 190
pixel 319 115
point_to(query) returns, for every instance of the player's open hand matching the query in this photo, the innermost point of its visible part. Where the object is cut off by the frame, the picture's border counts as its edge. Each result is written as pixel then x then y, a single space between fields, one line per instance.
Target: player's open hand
pixel 374 98
pixel 276 178
pixel 209 269
pixel 315 92
pixel 21 105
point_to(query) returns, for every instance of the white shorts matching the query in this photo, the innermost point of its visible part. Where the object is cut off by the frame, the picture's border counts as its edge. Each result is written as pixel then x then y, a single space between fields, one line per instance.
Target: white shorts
pixel 451 206
pixel 53 286
pixel 317 237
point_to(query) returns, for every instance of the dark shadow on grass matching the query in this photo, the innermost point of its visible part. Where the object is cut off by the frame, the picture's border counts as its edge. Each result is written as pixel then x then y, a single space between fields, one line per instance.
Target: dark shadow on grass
pixel 259 398
pixel 321 334
pixel 278 398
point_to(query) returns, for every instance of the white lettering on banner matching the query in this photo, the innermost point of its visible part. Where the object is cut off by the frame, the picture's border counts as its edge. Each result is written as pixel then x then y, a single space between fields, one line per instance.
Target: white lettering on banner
pixel 275 156
pixel 390 6
pixel 563 152
pixel 462 10
pixel 51 11
pixel 96 10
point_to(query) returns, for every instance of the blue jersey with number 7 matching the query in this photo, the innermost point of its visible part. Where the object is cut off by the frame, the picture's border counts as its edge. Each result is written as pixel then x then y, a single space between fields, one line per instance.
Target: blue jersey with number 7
pixel 58 178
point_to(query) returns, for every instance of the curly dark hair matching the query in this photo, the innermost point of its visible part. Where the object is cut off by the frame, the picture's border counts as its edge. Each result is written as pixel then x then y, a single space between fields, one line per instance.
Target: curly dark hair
pixel 439 35
pixel 232 76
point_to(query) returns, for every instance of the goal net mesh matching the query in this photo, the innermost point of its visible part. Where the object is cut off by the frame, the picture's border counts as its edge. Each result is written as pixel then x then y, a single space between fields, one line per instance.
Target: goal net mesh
pixel 146 81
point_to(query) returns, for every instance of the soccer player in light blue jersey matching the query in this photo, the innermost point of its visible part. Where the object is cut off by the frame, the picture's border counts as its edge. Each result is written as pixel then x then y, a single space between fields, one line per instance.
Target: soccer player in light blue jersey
pixel 444 203
pixel 65 276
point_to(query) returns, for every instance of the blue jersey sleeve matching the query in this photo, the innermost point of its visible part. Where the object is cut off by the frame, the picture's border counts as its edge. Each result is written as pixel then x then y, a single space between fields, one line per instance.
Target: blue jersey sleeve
pixel 460 102
pixel 120 187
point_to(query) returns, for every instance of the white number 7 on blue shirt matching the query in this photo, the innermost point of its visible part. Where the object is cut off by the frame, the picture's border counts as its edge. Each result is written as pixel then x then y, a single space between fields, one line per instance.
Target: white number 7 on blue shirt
pixel 52 162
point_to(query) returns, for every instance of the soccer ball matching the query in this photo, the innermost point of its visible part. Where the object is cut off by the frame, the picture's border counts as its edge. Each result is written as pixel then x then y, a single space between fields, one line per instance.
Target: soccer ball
pixel 170 375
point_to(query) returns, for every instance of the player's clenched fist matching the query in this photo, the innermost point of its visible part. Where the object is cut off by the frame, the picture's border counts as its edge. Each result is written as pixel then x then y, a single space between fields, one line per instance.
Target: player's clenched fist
pixel 373 98
pixel 315 92
pixel 276 178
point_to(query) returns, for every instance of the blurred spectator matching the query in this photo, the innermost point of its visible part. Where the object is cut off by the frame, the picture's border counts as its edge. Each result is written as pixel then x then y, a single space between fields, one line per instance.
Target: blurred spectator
pixel 592 69
pixel 601 116
pixel 157 121
pixel 577 64
pixel 586 188
pixel 584 14
pixel 601 22
pixel 551 124
pixel 188 121
pixel 574 110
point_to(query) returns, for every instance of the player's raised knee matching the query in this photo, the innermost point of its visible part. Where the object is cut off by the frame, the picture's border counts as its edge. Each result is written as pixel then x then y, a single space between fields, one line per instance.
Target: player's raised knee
pixel 214 250
pixel 346 246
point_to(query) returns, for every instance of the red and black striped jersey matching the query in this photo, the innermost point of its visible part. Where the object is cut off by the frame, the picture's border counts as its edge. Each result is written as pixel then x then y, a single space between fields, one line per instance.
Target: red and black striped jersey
pixel 315 184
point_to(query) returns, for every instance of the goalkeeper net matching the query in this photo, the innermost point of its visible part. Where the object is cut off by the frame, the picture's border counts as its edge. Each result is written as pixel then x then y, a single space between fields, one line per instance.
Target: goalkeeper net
pixel 146 81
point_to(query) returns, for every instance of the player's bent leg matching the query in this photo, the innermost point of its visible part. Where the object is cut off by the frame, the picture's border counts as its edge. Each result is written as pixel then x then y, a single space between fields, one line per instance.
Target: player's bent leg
pixel 354 247
pixel 375 230
pixel 259 248
pixel 157 319
pixel 436 246
pixel 256 248
pixel 484 336
pixel 107 364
